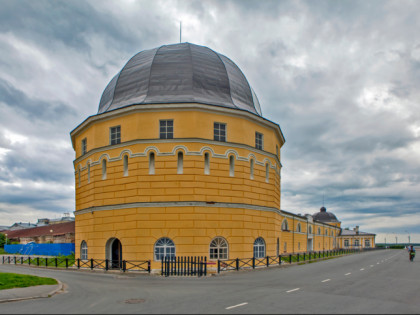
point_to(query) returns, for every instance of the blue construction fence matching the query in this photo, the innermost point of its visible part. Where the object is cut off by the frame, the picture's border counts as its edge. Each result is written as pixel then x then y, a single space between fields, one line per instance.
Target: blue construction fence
pixel 62 249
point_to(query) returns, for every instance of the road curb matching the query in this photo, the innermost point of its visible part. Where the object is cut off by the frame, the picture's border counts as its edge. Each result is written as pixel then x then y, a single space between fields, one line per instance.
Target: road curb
pixel 45 295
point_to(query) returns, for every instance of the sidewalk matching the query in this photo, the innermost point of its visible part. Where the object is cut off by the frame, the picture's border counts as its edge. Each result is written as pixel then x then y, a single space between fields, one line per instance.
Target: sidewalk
pixel 39 291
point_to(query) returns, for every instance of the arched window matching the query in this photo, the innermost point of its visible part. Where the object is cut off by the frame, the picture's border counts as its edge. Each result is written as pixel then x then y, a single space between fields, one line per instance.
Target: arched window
pixel 103 169
pixel 285 225
pixel 231 166
pixel 259 248
pixel 164 247
pixel 326 232
pixel 219 248
pixel 152 163
pixel 125 165
pixel 88 170
pixel 180 169
pixel 319 231
pixel 298 228
pixel 252 169
pixel 267 173
pixel 83 251
pixel 310 229
pixel 206 163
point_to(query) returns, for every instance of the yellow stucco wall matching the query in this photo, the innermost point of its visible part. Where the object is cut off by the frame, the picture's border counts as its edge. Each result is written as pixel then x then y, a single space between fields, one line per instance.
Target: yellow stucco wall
pixel 191 208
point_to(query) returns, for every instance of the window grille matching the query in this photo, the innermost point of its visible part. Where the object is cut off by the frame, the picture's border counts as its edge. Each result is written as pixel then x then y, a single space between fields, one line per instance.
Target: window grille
pixel 115 135
pixel 166 130
pixel 84 146
pixel 83 251
pixel 164 247
pixel 259 140
pixel 220 132
pixel 259 248
pixel 219 248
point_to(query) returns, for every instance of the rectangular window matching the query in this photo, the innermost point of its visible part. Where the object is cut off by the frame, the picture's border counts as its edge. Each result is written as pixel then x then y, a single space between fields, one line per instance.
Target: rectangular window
pixel 367 243
pixel 115 135
pixel 259 140
pixel 346 243
pixel 84 146
pixel 166 130
pixel 220 132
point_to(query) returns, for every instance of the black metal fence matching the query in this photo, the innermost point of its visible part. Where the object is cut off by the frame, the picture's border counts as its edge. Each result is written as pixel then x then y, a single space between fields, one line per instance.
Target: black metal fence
pixel 252 263
pixel 184 266
pixel 71 263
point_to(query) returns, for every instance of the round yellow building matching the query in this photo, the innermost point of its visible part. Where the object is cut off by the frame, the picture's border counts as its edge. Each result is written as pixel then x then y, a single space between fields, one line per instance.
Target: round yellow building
pixel 180 161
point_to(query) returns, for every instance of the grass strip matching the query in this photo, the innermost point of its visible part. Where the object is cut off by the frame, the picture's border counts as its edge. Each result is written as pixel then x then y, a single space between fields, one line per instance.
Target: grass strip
pixel 13 280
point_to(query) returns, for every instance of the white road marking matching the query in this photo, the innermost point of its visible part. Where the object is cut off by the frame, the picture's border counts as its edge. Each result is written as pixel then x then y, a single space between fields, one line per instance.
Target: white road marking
pixel 292 290
pixel 230 307
pixel 362 269
pixel 348 274
pixel 326 280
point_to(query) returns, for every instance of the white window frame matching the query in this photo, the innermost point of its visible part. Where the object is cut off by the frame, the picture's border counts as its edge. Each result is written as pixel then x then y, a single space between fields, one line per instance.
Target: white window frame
pixel 259 248
pixel 115 135
pixel 259 140
pixel 166 129
pixel 219 249
pixel 219 132
pixel 83 250
pixel 166 248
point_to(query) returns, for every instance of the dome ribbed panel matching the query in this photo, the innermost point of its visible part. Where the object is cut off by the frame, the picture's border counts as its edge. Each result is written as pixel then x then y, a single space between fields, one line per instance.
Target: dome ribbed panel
pixel 171 76
pixel 240 90
pixel 107 95
pixel 132 84
pixel 210 80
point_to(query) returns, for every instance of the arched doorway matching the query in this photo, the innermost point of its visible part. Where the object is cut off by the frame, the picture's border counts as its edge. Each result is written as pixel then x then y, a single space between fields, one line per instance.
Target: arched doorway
pixel 114 253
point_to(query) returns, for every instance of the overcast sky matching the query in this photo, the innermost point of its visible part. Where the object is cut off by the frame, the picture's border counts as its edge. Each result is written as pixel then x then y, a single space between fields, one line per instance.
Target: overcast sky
pixel 341 78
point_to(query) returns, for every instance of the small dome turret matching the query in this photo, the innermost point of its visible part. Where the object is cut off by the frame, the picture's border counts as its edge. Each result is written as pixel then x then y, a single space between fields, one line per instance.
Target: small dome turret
pixel 324 216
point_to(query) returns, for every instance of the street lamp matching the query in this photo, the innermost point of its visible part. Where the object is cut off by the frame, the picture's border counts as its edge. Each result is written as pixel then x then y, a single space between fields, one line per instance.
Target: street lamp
pixel 409 240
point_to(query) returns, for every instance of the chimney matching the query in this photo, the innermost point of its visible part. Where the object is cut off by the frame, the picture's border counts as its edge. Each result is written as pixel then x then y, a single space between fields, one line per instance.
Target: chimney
pixel 356 229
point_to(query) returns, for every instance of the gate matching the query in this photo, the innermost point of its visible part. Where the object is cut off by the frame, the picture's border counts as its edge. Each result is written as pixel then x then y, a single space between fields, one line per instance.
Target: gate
pixel 184 266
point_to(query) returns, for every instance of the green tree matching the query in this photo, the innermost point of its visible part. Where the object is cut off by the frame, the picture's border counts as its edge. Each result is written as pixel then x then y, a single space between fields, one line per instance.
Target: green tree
pixel 2 240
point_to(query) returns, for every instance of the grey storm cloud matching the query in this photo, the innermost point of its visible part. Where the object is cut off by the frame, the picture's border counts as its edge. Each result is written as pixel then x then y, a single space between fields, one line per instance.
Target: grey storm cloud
pixel 340 77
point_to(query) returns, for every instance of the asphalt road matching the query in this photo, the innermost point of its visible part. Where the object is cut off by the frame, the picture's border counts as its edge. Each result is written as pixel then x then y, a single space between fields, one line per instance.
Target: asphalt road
pixel 373 282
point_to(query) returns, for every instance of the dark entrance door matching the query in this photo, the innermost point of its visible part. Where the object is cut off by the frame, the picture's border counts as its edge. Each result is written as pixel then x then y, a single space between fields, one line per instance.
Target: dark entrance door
pixel 116 254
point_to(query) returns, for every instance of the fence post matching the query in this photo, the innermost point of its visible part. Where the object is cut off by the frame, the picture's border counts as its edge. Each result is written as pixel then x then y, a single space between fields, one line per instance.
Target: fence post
pixel 124 265
pixel 149 269
pixel 67 263
pixel 218 266
pixel 205 266
pixel 237 263
pixel 37 261
pixel 268 262
pixel 279 260
pixel 78 263
pixel 304 256
pixel 56 262
pixel 21 260
pixel 29 260
pixel 46 262
pixel 253 262
pixel 297 257
pixel 91 264
pixel 15 260
pixel 290 258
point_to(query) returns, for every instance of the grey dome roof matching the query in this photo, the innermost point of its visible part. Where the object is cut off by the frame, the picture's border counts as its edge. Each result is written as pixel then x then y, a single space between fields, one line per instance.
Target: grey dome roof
pixel 180 73
pixel 325 216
